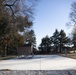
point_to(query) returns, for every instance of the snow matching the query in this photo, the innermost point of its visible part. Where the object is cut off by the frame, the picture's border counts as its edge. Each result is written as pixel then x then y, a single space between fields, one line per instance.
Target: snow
pixel 40 62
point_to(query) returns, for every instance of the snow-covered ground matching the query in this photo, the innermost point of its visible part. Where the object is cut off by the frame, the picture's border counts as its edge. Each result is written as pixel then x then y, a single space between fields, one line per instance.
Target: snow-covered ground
pixel 39 62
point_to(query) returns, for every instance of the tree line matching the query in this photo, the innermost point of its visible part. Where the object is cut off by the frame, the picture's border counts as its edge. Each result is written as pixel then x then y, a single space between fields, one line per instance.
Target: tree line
pixel 57 43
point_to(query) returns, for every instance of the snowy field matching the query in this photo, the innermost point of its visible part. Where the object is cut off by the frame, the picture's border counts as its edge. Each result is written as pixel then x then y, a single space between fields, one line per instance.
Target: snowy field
pixel 40 62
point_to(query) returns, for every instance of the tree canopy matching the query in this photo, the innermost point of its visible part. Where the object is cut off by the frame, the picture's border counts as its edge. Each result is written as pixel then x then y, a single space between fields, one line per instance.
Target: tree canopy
pixel 15 17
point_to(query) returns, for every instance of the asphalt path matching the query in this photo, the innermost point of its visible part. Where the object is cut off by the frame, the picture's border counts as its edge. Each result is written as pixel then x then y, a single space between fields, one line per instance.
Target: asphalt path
pixel 38 72
pixel 39 62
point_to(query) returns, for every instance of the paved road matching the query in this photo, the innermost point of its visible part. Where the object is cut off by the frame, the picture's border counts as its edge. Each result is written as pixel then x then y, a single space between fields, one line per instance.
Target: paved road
pixel 40 62
pixel 36 72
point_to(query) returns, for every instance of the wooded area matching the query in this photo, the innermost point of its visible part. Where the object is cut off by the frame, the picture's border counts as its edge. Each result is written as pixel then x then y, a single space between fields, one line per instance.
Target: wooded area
pixel 16 20
pixel 56 43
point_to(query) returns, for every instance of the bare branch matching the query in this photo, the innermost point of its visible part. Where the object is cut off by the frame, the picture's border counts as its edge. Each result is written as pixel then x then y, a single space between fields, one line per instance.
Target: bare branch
pixel 11 4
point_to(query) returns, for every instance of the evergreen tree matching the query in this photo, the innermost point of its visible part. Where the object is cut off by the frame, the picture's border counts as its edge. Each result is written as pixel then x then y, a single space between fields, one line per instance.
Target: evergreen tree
pixel 30 37
pixel 63 40
pixel 55 40
pixel 45 45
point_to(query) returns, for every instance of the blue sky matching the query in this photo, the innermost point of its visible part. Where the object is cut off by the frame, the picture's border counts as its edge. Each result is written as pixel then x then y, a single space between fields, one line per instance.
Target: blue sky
pixel 51 15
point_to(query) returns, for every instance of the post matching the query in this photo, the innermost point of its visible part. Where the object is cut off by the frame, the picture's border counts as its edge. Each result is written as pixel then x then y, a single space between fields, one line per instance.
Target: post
pixel 65 52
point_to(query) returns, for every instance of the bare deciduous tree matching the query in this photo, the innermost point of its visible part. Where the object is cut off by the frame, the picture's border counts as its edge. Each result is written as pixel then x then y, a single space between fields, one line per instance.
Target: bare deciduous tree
pixel 19 7
pixel 72 15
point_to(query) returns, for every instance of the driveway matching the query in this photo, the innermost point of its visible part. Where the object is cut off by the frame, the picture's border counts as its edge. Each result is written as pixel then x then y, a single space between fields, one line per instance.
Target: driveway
pixel 40 62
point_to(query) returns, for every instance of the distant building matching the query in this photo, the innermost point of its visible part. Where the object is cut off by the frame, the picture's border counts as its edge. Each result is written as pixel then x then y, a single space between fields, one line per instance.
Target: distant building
pixel 26 50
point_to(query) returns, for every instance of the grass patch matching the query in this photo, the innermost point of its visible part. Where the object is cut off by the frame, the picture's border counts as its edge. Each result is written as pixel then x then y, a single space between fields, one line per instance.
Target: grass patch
pixel 7 57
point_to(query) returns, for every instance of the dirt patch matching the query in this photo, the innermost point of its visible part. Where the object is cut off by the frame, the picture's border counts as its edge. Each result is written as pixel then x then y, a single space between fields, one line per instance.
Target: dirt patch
pixel 71 55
